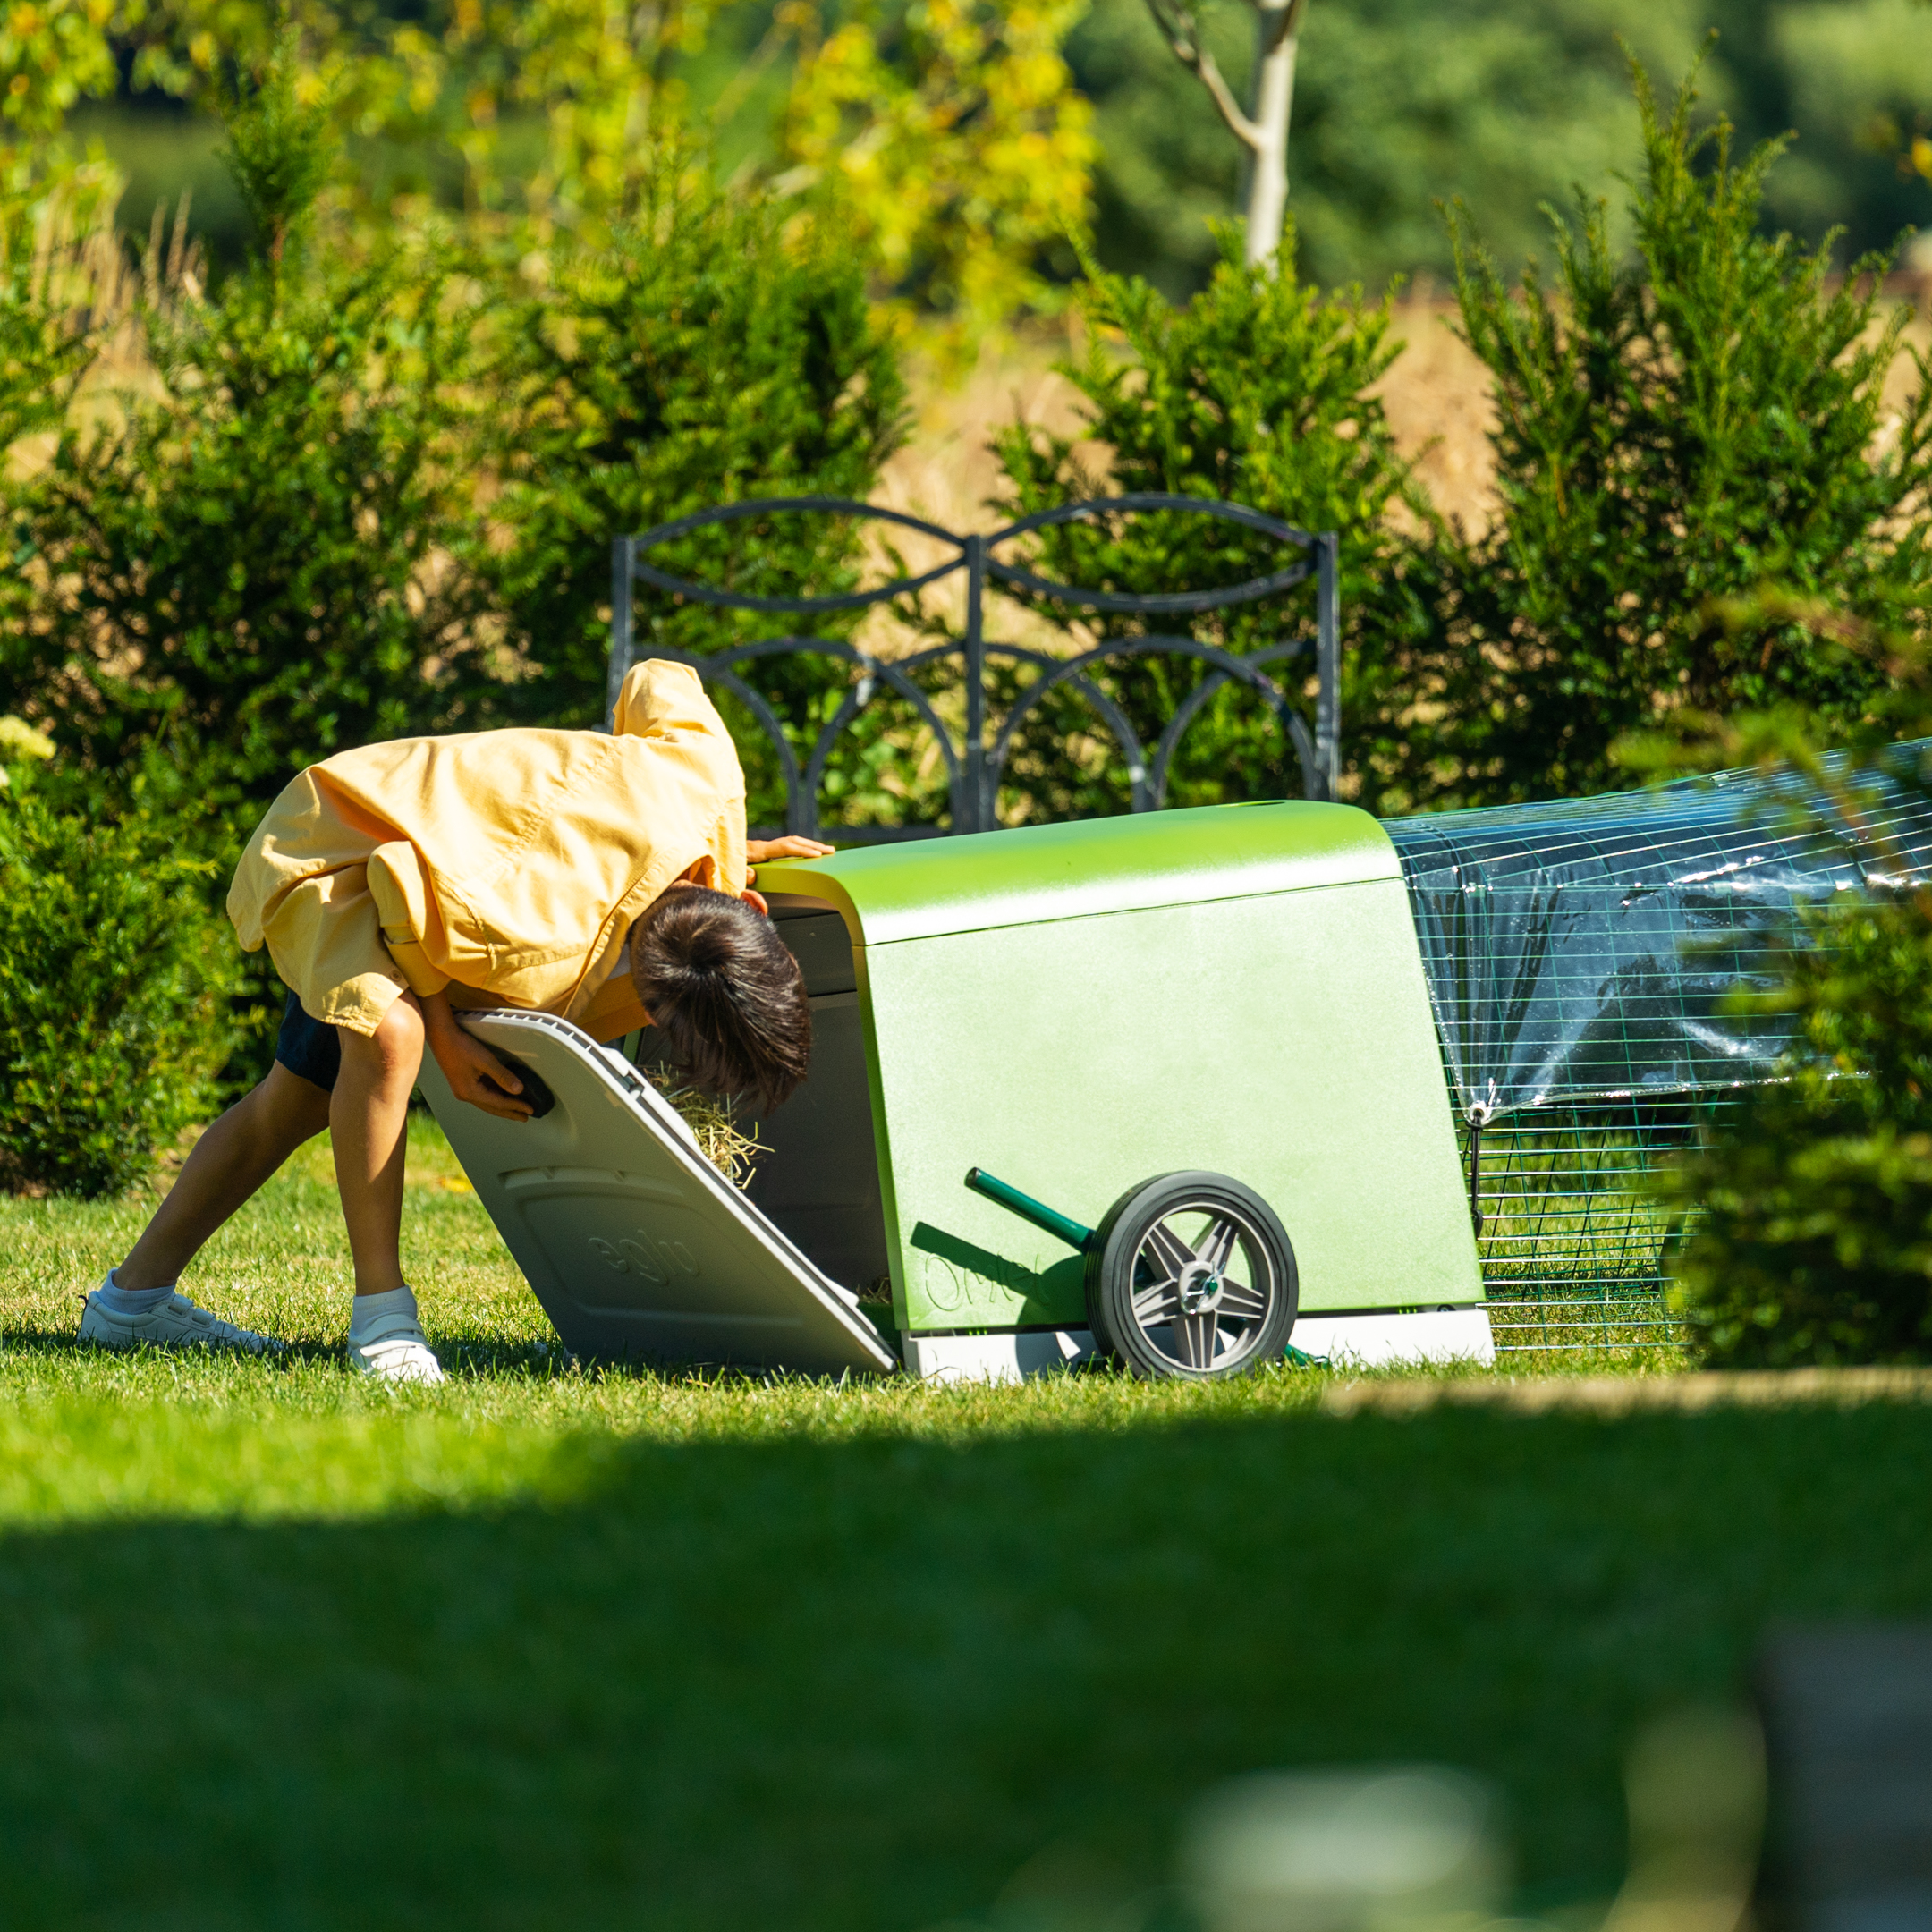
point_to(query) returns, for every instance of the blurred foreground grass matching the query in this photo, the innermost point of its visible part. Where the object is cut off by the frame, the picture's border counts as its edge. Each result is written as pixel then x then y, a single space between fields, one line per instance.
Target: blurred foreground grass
pixel 551 1646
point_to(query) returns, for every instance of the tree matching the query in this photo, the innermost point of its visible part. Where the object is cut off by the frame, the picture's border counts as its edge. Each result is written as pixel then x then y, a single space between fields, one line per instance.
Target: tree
pixel 603 80
pixel 1260 390
pixel 247 573
pixel 1262 129
pixel 600 77
pixel 1674 427
pixel 701 355
pixel 952 141
pixel 50 55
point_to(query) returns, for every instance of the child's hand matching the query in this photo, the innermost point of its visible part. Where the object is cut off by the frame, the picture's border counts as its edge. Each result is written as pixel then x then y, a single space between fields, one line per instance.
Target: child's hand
pixel 474 1072
pixel 792 846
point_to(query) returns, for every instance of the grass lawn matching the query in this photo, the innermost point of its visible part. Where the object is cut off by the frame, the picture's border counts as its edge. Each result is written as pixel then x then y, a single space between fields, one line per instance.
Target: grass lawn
pixel 549 1647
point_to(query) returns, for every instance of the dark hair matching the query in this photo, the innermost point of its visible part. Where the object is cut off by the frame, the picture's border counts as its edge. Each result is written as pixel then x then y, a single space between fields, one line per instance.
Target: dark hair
pixel 724 991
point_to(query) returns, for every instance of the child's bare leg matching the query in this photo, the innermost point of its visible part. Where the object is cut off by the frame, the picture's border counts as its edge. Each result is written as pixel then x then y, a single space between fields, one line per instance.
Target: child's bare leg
pixel 227 1164
pixel 368 1119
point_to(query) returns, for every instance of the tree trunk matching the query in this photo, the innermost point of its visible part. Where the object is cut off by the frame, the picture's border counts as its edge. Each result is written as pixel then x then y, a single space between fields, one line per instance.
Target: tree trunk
pixel 1277 35
pixel 1263 132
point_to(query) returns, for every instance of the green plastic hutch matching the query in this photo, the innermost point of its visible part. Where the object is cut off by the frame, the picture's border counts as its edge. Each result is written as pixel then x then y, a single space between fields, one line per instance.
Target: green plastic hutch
pixel 1169 1080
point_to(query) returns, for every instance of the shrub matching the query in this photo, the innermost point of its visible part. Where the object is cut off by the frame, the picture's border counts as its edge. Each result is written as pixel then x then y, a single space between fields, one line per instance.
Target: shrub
pixel 50 280
pixel 704 355
pixel 1805 1212
pixel 1814 1243
pixel 1674 429
pixel 111 998
pixel 246 573
pixel 53 286
pixel 250 572
pixel 1257 393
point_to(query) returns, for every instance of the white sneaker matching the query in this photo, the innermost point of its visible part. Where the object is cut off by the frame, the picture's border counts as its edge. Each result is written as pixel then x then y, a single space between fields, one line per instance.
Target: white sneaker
pixel 394 1348
pixel 175 1323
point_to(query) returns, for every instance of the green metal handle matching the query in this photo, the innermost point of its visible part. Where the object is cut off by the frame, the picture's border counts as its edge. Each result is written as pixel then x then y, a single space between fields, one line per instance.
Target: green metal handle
pixel 1072 1233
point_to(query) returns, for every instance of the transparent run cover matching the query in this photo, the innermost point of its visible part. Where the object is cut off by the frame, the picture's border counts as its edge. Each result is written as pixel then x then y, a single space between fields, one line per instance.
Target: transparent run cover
pixel 1583 949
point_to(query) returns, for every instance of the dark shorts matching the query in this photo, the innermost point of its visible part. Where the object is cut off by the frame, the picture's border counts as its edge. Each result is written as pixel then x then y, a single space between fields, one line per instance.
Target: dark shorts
pixel 309 1048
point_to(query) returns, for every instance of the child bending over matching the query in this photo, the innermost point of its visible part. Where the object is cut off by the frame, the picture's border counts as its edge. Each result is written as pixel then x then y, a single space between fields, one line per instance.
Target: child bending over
pixel 601 877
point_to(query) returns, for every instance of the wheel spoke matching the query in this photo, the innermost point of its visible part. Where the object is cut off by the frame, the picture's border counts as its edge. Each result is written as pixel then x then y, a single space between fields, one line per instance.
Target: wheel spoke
pixel 1153 1304
pixel 1165 1250
pixel 1240 1302
pixel 1194 1338
pixel 1163 1256
pixel 1218 1243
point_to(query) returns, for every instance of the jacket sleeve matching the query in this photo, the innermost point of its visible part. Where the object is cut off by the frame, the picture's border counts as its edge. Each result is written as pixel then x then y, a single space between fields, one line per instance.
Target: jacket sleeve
pixel 407 909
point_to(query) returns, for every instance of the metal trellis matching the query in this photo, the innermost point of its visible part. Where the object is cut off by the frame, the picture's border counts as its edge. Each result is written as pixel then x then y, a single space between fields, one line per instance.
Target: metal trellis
pixel 976 761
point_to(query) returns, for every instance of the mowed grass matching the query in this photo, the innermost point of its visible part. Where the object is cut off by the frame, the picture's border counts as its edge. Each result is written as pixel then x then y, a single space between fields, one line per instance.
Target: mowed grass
pixel 551 1646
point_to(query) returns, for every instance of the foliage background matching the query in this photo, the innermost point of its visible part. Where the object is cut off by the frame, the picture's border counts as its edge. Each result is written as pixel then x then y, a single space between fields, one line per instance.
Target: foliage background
pixel 113 984
pixel 1676 425
pixel 1505 103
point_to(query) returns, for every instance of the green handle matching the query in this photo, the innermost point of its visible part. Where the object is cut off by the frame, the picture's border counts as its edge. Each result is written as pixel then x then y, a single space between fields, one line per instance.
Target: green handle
pixel 1072 1233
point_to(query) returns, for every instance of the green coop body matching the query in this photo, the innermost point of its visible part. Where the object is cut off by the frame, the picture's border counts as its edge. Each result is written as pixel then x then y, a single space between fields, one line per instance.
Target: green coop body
pixel 1080 1009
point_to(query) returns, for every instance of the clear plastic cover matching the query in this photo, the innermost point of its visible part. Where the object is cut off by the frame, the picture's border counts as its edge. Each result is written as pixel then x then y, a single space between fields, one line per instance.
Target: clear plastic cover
pixel 1583 949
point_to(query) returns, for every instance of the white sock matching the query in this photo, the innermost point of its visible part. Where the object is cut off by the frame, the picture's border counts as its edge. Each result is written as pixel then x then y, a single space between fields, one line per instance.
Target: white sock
pixel 367 1309
pixel 126 1303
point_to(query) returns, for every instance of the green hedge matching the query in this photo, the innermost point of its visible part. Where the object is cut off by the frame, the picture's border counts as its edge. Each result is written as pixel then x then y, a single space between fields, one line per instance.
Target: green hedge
pixel 113 980
pixel 1811 1216
pixel 1677 425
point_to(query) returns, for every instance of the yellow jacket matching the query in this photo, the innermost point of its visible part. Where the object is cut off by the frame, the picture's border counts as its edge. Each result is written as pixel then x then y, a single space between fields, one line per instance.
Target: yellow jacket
pixel 506 866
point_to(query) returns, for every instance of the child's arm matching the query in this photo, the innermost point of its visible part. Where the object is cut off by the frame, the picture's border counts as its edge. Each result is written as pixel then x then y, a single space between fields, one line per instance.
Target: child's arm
pixel 474 1072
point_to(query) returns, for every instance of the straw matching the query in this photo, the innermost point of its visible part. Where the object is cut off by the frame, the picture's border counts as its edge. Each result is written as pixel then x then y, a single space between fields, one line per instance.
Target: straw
pixel 714 1123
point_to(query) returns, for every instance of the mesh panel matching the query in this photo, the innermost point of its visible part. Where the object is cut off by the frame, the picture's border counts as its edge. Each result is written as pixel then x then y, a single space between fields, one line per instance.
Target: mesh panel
pixel 1574 1239
pixel 1583 949
pixel 1578 955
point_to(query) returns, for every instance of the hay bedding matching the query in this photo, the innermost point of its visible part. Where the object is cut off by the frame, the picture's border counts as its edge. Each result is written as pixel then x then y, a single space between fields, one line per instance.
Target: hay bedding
pixel 714 1123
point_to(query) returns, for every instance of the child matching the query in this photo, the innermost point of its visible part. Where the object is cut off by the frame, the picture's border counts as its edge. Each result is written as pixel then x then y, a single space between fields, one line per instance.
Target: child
pixel 397 885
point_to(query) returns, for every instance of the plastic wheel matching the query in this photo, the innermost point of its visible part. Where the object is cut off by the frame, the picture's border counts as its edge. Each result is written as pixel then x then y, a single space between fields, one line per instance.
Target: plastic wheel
pixel 1192 1278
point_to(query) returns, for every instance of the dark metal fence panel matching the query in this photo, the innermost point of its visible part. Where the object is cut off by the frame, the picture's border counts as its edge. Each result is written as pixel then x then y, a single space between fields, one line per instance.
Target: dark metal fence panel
pixel 974 763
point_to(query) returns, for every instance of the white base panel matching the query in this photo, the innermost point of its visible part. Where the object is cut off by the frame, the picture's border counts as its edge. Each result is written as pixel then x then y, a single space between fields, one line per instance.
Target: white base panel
pixel 1357 1341
pixel 1423 1336
pixel 993 1358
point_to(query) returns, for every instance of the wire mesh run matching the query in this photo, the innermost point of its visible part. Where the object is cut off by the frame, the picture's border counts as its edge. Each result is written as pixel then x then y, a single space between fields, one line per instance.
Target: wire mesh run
pixel 1575 1241
pixel 1584 948
pixel 1582 956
